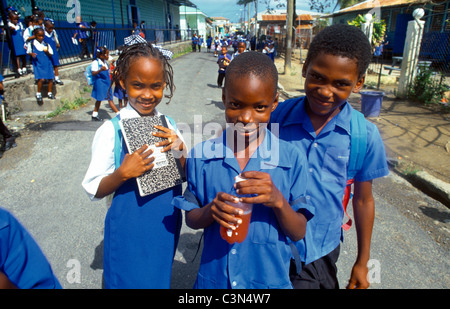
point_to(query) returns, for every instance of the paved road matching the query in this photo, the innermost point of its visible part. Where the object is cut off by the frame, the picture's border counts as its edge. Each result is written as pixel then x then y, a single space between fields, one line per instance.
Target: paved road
pixel 41 185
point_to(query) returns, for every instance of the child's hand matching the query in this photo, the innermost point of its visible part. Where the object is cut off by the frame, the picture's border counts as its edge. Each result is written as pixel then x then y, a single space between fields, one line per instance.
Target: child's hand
pixel 136 164
pixel 33 55
pixel 172 142
pixel 261 184
pixel 223 213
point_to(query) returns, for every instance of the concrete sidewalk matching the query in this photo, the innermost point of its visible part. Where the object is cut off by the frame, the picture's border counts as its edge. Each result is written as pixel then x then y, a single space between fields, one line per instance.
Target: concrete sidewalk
pixel 416 137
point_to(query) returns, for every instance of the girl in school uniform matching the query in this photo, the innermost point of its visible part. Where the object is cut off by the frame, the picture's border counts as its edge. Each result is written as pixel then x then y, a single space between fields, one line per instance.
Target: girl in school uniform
pixel 102 82
pixel 119 92
pixel 141 233
pixel 51 38
pixel 41 53
pixel 17 30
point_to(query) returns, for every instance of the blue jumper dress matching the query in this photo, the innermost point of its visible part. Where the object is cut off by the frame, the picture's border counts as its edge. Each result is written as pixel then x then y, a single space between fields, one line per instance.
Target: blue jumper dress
pixel 18 42
pixel 141 236
pixel 42 65
pixel 102 82
pixel 51 40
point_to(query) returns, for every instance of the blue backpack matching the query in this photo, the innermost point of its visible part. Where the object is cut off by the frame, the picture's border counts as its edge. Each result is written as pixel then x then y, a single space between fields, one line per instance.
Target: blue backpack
pixel 88 74
pixel 358 148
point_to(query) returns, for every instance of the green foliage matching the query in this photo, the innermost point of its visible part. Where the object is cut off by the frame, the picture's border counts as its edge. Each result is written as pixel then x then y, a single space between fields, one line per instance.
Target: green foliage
pixel 68 105
pixel 379 28
pixel 427 89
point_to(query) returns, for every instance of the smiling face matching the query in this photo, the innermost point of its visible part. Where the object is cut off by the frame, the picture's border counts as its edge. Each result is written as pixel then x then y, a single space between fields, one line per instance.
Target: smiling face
pixel 39 34
pixel 144 84
pixel 249 101
pixel 329 81
pixel 241 47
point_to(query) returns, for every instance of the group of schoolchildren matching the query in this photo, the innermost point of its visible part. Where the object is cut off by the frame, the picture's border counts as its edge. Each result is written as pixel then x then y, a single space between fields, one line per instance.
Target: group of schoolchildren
pixel 293 159
pixel 39 41
pixel 240 46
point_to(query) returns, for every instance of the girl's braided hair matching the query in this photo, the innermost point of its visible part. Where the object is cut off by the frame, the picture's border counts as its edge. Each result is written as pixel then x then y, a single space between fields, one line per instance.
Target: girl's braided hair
pixel 133 52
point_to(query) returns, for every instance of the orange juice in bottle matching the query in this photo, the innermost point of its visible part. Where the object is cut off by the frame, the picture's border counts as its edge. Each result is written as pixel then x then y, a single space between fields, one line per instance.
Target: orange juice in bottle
pixel 240 233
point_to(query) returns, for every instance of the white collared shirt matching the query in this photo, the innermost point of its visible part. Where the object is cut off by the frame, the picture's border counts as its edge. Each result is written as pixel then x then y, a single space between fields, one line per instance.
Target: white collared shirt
pixel 102 160
pixel 40 46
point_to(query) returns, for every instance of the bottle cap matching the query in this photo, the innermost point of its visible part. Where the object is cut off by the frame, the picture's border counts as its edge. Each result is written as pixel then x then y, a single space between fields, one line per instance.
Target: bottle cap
pixel 239 178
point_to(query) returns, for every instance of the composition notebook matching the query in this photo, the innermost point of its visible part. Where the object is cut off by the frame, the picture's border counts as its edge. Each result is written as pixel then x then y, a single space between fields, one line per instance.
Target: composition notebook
pixel 167 171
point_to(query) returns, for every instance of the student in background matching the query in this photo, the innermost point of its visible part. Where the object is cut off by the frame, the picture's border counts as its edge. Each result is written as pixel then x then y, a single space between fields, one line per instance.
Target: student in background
pixel 41 54
pixel 17 31
pixel 101 90
pixel 51 38
pixel 9 141
pixel 223 61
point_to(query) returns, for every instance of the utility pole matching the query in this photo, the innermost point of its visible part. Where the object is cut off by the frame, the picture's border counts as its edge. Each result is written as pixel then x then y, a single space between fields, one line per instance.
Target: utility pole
pixel 256 23
pixel 289 25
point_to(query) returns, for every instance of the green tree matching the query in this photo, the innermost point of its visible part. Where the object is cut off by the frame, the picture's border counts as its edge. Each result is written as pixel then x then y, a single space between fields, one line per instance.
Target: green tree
pixel 379 28
pixel 323 5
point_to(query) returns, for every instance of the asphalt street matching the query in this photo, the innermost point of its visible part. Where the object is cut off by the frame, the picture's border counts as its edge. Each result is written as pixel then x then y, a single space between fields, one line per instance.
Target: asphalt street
pixel 41 185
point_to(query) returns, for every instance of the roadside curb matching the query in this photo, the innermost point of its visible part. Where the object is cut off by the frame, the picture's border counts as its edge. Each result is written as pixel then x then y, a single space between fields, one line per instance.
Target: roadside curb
pixel 427 183
pixel 422 180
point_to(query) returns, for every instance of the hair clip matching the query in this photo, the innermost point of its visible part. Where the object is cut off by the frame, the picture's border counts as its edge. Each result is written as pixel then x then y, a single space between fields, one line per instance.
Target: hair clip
pixel 166 53
pixel 137 39
pixel 49 19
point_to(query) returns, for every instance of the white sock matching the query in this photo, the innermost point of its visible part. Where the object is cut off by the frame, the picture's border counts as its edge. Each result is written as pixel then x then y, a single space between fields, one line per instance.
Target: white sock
pixel 94 114
pixel 38 94
pixel 56 77
pixel 49 93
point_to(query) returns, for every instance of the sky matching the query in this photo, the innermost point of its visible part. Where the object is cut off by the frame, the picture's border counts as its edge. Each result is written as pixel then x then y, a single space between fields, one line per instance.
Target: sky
pixel 229 8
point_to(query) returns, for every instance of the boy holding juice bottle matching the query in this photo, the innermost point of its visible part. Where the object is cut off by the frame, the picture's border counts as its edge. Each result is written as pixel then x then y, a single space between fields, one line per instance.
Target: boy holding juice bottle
pixel 238 254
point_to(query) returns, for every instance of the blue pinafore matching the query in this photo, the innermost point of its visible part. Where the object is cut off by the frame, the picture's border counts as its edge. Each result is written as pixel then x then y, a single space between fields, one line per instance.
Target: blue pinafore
pixel 51 40
pixel 42 65
pixel 102 85
pixel 141 234
pixel 18 42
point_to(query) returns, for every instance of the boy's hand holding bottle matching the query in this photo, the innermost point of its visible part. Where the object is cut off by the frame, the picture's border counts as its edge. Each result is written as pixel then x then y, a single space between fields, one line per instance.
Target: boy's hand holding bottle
pixel 233 211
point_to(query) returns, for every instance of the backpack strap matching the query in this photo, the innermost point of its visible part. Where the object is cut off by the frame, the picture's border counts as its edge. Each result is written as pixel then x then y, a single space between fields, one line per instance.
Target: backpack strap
pixel 117 140
pixel 358 148
pixel 172 122
pixel 358 143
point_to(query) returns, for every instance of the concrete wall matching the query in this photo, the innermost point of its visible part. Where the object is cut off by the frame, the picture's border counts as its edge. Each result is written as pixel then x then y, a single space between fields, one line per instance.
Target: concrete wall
pixel 20 93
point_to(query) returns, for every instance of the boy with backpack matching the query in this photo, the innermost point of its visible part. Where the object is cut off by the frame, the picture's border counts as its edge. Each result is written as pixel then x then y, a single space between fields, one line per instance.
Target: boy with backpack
pixel 334 136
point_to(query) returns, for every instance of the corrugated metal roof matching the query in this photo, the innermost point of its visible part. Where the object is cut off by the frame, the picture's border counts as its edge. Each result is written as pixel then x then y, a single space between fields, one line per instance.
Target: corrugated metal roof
pixel 370 4
pixel 282 17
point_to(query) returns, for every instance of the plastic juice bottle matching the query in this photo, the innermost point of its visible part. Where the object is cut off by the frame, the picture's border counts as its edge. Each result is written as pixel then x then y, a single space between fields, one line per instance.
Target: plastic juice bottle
pixel 240 233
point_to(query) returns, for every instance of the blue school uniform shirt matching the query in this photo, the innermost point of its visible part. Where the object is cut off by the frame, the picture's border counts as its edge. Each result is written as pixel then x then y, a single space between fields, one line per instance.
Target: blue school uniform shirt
pixel 21 259
pixel 83 32
pixel 328 156
pixel 262 260
pixel 220 60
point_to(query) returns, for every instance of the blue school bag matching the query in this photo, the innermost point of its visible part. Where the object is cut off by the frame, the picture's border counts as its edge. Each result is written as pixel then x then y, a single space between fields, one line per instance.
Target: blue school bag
pixel 358 148
pixel 88 74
